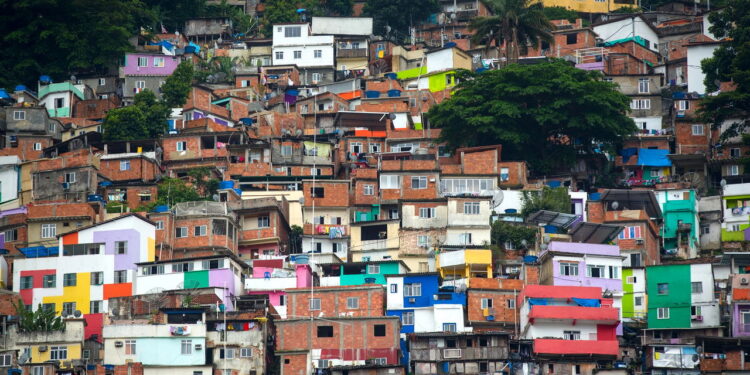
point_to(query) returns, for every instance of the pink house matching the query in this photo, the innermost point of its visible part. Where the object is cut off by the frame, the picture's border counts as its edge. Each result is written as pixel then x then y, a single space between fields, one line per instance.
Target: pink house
pixel 150 64
pixel 271 277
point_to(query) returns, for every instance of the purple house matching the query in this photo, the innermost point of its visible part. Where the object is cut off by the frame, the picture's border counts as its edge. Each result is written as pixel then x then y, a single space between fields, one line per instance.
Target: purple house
pixel 146 71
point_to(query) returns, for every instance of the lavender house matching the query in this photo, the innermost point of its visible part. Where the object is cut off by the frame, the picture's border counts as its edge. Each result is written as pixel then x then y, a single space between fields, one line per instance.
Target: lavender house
pixel 145 71
pixel 584 264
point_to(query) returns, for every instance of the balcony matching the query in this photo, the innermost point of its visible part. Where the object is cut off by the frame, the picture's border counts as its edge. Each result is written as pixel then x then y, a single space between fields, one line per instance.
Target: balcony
pixel 351 52
pixel 340 231
pixel 599 314
pixel 435 354
pixel 461 258
pixel 576 347
pixel 270 283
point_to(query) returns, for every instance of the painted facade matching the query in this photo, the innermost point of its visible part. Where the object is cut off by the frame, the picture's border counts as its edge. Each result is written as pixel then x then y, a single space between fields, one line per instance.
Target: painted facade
pixel 96 263
pixel 680 229
pixel 59 98
pixel 272 278
pixel 359 273
pixel 681 296
pixel 634 298
pixel 464 264
pixel 736 207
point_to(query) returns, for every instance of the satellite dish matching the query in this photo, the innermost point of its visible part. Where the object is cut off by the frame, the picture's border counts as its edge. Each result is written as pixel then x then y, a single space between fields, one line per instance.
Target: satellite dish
pixel 77 314
pixel 24 357
pixel 497 199
pixel 215 197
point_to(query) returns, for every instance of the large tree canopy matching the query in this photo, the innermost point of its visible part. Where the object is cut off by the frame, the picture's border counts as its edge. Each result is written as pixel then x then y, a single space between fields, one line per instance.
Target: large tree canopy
pixel 176 88
pixel 145 119
pixel 542 113
pixel 730 62
pixel 399 15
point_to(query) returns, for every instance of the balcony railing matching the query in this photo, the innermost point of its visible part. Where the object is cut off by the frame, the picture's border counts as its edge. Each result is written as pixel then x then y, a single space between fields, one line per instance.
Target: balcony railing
pixel 351 52
pixel 576 347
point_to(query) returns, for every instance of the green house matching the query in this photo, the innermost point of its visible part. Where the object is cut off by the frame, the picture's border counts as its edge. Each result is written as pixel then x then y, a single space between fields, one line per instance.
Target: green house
pixel 366 272
pixel 680 230
pixel 681 296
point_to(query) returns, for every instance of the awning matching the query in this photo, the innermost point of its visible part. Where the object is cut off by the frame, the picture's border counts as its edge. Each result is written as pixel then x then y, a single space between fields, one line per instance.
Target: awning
pixel 39 251
pixel 653 158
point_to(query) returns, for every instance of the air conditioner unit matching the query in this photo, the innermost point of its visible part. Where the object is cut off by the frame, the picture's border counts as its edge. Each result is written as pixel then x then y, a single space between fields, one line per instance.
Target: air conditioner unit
pixel 451 353
pixel 118 344
pixel 198 346
pixel 743 281
pixel 640 242
pixel 43 348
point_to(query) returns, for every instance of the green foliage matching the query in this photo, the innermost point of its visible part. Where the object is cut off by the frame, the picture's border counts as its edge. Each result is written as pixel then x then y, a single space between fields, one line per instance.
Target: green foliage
pixel 399 15
pixel 146 118
pixel 627 10
pixel 242 23
pixel 730 62
pixel 503 231
pixel 114 207
pixel 560 13
pixel 41 320
pixel 176 88
pixel 534 111
pixel 549 199
pixel 295 239
pixel 57 37
pixel 282 11
pixel 203 182
pixel 174 190
pixel 173 13
pixel 516 23
pixel 217 70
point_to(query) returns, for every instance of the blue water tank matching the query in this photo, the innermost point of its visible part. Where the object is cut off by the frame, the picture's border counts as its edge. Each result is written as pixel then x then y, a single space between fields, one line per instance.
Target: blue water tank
pixel 553 184
pixel 530 259
pixel 371 94
pixel 226 184
pixel 394 93
pixel 511 211
pixel 45 79
pixel 391 75
pixel 450 44
pixel 20 88
pixel 302 259
pixel 595 196
pixel 162 208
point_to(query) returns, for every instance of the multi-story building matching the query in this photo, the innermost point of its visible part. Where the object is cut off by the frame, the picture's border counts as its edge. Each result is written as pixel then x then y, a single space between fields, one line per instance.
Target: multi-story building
pixel 458 352
pixel 736 209
pixel 359 273
pixel 294 44
pixel 491 304
pixel 634 298
pixel 352 43
pixel 51 351
pixel 263 226
pixel 272 277
pixel 326 216
pixel 26 131
pixel 95 263
pixel 423 305
pixel 145 71
pixel 680 229
pixel 456 265
pixel 60 98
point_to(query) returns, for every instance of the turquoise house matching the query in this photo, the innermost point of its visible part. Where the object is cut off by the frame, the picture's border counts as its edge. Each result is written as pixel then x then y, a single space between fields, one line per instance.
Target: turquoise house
pixel 59 98
pixel 360 273
pixel 680 230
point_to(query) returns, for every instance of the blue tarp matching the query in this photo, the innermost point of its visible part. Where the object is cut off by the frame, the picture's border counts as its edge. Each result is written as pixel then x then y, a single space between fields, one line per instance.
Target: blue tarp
pixel 626 153
pixel 538 301
pixel 586 302
pixel 653 158
pixel 39 251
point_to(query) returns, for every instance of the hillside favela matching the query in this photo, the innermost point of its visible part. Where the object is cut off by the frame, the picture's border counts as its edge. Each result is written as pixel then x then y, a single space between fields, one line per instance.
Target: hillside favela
pixel 375 187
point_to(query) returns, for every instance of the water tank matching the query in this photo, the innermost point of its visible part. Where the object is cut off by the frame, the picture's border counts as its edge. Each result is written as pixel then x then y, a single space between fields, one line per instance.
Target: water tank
pixel 394 93
pixel 162 208
pixel 20 88
pixel 371 94
pixel 391 75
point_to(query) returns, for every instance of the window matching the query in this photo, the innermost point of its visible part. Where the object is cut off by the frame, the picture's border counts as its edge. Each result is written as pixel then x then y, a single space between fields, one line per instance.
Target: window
pixel 511 303
pixel 735 152
pixel 427 212
pixel 317 192
pixel 70 177
pixel 11 234
pixel 19 115
pixel 571 38
pixel 695 311
pixel 158 62
pixel 698 129
pixel 226 353
pixel 733 170
pixel 325 331
pixel 292 31
pixel 69 279
pixel 486 303
pixel 156 269
pixel 68 308
pixel 638 301
pixel 407 318
pixel 264 222
pixel 568 269
pixel 635 260
pixel 456 186
pixel 49 281
pixel 423 241
pixel 317 53
pixel 27 282
pixel 449 327
pixel 186 347
pixel 130 347
pixel 464 238
pixel 379 330
pixel 315 77
pixel 662 288
pixel 297 55
pixel 336 247
pixel 142 62
pixel 314 171
pixel 369 190
pixel 140 84
pixel 643 85
pixel 355 147
pixel 412 290
pixel 182 146
pixel 159 224
pixel 124 165
pixel 390 181
pixel 630 280
pixel 102 81
pixel 662 313
pixel 199 230
pixel 97 278
pixel 595 271
pixel 121 247
pixel 49 230
pixel 246 353
pixel 734 228
pixel 614 272
pixel 37 146
pixel 419 182
pixel 58 352
pixel 213 264
pixel 705 229
pixel 640 104
pixel 571 335
pixel 96 307
pixel 183 267
pixel 314 304
pixel 576 369
pixel 279 55
pixel 121 277
pixel 352 303
pixel 471 208
pixel 373 269
pixel 696 287
pixel 180 232
pixel 683 105
pixel 37 370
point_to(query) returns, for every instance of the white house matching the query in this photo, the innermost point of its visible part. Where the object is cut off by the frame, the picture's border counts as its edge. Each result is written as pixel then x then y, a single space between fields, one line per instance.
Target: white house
pixel 9 181
pixel 697 52
pixel 294 44
pixel 627 27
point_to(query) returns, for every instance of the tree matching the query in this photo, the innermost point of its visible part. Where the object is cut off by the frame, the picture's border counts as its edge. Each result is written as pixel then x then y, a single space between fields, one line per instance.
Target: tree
pixel 503 231
pixel 204 184
pixel 172 14
pixel 336 7
pixel 295 239
pixel 171 191
pixel 146 118
pixel 41 320
pixel 544 113
pixel 60 37
pixel 176 88
pixel 560 13
pixel 549 199
pixel 399 15
pixel 516 24
pixel 730 62
pixel 280 11
pixel 242 23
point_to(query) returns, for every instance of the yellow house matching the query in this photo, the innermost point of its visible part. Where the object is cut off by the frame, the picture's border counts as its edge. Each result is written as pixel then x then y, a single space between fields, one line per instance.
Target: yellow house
pixel 463 264
pixel 590 6
pixel 371 240
pixel 50 352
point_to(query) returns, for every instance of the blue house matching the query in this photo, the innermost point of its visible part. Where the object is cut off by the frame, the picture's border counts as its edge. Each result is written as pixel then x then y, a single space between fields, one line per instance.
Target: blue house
pixel 423 305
